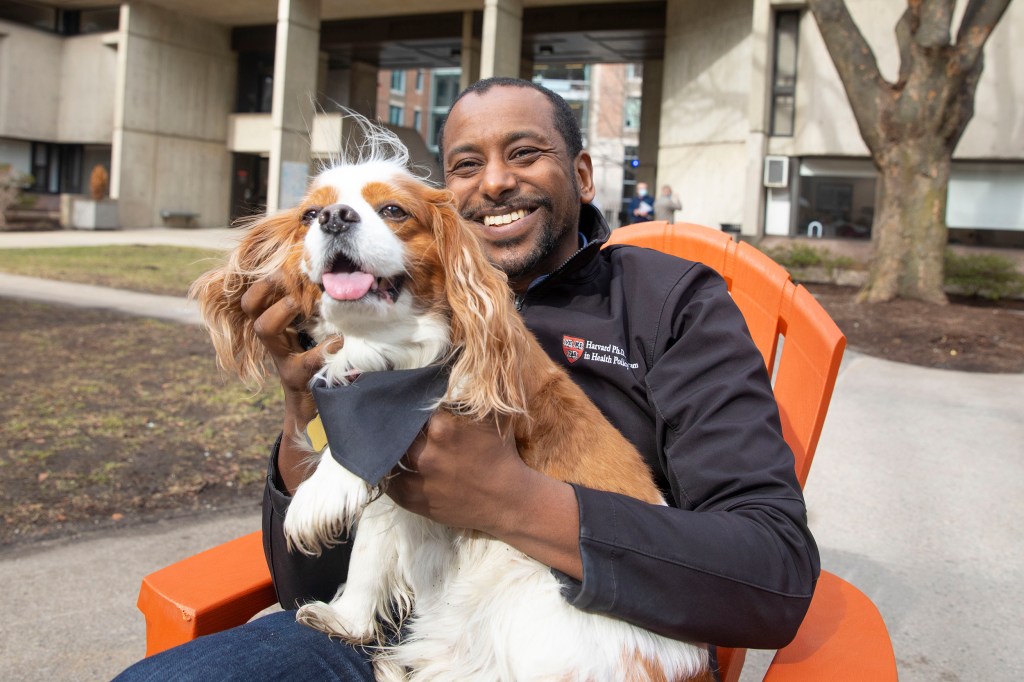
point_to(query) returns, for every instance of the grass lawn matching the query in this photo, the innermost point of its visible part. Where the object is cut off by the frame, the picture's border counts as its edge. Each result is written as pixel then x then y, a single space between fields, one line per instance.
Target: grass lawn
pixel 153 269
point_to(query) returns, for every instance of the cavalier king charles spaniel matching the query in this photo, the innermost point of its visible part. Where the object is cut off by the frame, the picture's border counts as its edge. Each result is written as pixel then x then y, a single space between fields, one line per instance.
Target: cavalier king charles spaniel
pixel 376 256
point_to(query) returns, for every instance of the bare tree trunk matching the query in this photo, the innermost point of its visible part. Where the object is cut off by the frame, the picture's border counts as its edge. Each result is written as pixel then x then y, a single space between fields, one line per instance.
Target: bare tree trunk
pixel 911 128
pixel 909 230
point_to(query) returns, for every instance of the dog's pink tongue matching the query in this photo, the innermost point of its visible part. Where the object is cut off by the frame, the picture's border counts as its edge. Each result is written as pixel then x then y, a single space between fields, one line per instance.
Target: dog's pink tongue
pixel 347 286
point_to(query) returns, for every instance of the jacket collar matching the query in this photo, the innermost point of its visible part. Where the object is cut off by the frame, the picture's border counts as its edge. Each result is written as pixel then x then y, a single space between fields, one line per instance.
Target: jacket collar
pixel 594 232
pixel 593 225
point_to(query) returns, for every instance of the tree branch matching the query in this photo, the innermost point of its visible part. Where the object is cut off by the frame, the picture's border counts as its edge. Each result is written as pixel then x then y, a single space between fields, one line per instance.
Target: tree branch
pixel 980 17
pixel 935 17
pixel 905 28
pixel 856 64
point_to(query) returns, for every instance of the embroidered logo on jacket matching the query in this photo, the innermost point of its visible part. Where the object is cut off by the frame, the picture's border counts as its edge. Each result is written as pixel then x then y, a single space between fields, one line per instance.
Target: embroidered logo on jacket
pixel 572 347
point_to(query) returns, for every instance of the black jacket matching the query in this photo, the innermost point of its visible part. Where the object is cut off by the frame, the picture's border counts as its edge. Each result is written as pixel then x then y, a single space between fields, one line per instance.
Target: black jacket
pixel 657 343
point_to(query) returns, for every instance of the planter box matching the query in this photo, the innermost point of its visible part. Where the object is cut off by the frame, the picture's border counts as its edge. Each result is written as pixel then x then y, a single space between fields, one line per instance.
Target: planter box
pixel 92 214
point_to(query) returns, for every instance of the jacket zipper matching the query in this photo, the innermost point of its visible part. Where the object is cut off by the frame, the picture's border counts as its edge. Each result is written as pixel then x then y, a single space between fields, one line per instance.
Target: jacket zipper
pixel 520 301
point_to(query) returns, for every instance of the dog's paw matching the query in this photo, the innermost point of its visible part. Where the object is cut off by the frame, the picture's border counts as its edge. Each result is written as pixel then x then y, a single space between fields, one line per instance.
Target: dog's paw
pixel 326 618
pixel 325 507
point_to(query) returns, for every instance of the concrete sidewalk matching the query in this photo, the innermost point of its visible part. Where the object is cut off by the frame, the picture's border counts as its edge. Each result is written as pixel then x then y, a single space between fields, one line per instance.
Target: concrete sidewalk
pixel 209 238
pixel 915 496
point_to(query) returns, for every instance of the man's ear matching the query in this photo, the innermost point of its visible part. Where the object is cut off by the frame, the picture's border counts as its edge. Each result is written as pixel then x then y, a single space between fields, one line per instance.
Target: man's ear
pixel 584 168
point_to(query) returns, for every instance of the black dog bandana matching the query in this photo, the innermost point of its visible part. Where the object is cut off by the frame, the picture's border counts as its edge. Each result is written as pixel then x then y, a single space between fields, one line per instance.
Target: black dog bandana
pixel 371 422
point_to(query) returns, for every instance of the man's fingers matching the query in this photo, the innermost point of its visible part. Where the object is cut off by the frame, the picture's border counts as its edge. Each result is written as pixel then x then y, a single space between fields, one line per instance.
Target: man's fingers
pixel 274 322
pixel 260 296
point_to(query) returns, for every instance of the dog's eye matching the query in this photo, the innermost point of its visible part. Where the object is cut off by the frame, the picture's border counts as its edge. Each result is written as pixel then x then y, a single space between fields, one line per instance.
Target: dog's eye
pixel 392 212
pixel 310 215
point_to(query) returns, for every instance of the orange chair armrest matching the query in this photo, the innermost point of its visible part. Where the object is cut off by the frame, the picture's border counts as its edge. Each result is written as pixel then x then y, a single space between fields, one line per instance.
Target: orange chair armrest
pixel 843 638
pixel 208 592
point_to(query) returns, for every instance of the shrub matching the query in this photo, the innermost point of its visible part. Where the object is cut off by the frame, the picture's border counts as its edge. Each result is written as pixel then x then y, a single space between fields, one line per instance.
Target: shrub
pixel 797 256
pixel 11 185
pixel 99 182
pixel 985 275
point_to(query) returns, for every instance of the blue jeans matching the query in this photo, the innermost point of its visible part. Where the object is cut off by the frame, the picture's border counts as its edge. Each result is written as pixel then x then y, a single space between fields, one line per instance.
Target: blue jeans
pixel 274 647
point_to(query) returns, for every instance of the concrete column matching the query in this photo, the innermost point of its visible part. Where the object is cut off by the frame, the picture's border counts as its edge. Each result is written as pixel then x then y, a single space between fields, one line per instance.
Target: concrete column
pixel 174 93
pixel 502 40
pixel 650 124
pixel 362 89
pixel 757 137
pixel 470 56
pixel 526 65
pixel 705 111
pixel 296 65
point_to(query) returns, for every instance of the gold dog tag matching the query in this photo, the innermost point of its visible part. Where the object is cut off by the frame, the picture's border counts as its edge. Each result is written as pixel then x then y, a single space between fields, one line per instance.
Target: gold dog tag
pixel 316 435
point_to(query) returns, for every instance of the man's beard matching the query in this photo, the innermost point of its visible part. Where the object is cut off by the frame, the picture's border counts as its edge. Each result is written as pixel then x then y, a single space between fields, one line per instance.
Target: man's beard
pixel 516 267
pixel 550 237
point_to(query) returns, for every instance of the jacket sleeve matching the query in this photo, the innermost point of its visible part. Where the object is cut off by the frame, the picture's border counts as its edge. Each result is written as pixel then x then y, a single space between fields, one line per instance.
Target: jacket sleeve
pixel 297 578
pixel 731 562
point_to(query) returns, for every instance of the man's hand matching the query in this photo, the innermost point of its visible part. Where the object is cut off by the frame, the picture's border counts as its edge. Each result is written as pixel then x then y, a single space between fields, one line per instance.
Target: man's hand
pixel 467 474
pixel 273 318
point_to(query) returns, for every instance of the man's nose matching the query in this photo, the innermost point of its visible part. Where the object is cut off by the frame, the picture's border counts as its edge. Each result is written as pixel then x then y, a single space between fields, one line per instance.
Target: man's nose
pixel 498 180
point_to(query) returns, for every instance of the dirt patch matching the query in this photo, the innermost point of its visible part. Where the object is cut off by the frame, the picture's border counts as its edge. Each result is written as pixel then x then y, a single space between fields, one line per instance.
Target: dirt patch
pixel 111 420
pixel 971 335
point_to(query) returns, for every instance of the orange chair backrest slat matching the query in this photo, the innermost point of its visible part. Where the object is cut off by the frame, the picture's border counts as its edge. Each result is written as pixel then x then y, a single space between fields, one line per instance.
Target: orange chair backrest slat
pixel 809 364
pixel 759 286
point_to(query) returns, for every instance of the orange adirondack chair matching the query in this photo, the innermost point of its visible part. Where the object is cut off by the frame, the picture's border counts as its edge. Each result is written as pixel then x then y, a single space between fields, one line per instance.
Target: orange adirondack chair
pixel 843 636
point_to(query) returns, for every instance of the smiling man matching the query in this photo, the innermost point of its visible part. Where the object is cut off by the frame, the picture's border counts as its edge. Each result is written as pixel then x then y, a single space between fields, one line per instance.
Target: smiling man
pixel 517 175
pixel 654 341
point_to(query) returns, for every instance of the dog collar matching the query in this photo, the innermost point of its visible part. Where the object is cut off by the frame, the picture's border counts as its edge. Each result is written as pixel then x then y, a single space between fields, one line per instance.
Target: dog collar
pixel 370 423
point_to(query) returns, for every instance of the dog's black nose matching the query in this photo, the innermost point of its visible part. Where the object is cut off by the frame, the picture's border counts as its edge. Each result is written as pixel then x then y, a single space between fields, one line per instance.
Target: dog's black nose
pixel 338 218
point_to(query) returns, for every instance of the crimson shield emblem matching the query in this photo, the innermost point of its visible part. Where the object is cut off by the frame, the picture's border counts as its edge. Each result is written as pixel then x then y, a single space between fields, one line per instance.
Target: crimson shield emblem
pixel 572 347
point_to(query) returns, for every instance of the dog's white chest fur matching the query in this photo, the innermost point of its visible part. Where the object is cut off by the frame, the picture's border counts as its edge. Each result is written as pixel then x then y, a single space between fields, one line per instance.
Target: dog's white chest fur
pixel 477 608
pixel 468 607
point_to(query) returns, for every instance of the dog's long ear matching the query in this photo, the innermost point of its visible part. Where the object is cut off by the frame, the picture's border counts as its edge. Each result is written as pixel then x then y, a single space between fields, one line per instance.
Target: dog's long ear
pixel 487 333
pixel 271 245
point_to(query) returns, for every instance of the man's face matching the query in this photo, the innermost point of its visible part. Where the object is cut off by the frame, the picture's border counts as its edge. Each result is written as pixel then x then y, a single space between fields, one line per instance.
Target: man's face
pixel 511 174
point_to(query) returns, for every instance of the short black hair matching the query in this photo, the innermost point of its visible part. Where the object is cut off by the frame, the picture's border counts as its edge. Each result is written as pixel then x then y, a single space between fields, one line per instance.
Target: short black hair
pixel 564 119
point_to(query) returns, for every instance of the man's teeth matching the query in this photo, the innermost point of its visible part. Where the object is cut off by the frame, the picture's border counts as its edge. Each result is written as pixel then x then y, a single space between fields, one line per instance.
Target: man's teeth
pixel 490 220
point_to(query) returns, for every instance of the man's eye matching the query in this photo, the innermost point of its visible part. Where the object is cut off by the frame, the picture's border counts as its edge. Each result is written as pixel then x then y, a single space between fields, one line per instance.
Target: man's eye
pixel 310 215
pixel 523 152
pixel 392 212
pixel 464 165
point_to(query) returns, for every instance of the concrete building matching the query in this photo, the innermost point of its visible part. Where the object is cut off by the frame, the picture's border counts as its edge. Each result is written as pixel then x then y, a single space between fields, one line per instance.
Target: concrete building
pixel 207 110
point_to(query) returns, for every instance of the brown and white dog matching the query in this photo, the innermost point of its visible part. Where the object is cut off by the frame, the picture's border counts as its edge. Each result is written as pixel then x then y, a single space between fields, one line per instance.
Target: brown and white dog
pixel 406 283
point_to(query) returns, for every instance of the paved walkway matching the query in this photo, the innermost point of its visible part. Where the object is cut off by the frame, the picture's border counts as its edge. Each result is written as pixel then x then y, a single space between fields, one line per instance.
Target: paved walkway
pixel 915 496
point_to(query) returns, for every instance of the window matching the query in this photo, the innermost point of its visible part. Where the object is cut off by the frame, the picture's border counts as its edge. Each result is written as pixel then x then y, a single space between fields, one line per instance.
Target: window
pixel 631 116
pixel 561 72
pixel 63 21
pixel 395 115
pixel 255 83
pixel 56 167
pixel 419 80
pixel 417 120
pixel 787 29
pixel 444 89
pixel 836 198
pixel 630 162
pixel 398 81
